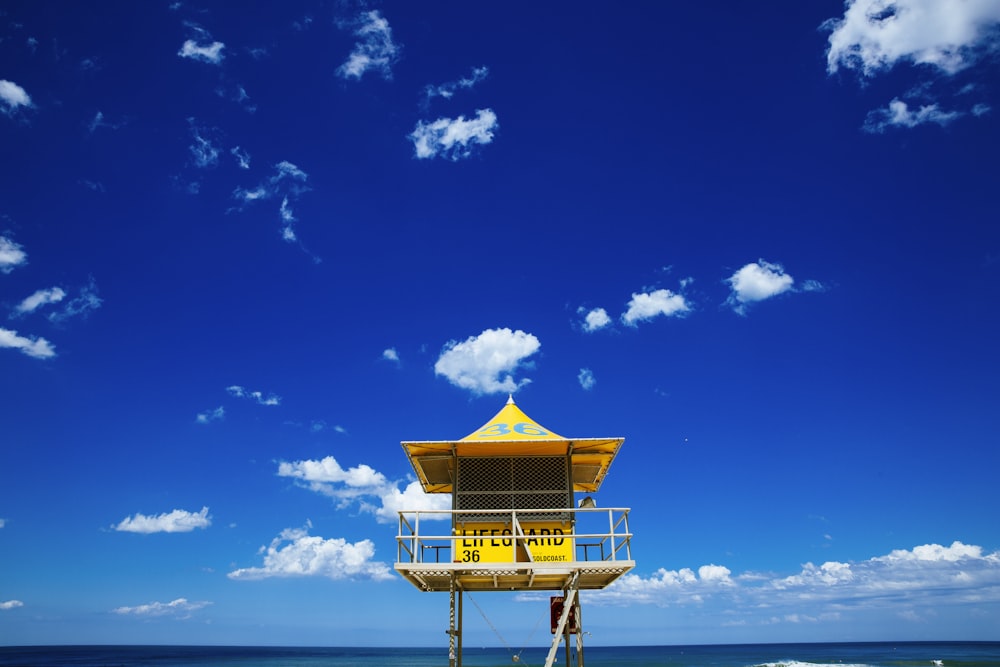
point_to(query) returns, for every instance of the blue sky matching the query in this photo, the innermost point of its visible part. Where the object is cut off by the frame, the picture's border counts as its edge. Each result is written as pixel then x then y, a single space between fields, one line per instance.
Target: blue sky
pixel 246 252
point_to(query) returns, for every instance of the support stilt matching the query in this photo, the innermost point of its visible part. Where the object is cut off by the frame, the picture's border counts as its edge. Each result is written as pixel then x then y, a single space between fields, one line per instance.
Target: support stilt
pixel 451 626
pixel 460 597
pixel 579 634
pixel 568 603
pixel 569 652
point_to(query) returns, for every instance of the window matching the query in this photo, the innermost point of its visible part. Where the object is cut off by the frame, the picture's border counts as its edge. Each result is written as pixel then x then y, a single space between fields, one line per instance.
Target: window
pixel 526 482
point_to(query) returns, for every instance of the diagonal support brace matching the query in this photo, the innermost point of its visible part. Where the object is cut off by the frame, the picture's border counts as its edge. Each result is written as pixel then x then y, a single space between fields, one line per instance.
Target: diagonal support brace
pixel 568 603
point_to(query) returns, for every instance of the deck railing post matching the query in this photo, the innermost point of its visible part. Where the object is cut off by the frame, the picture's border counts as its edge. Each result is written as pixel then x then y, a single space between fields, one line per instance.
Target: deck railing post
pixel 628 540
pixel 416 536
pixel 611 534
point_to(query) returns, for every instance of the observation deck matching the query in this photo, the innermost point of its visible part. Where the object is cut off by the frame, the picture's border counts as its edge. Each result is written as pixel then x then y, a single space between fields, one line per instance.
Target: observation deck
pixel 522 550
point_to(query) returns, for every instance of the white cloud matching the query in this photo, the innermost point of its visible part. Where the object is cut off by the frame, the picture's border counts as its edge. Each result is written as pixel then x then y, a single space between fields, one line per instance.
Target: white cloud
pixel 410 499
pixel 177 521
pixel 287 217
pixel 295 553
pixel 180 607
pixel 875 35
pixel 955 553
pixel 80 305
pixel 328 477
pixel 715 573
pixel 925 574
pixel 204 152
pixel 812 286
pixel 3 522
pixel 287 170
pixel 100 121
pixel 236 93
pixel 40 298
pixel 646 306
pixel 287 181
pixel 374 49
pixel 485 364
pixel 898 114
pixel 447 90
pixel 453 138
pixel 586 378
pixel 361 484
pixel 390 354
pixel 923 577
pixel 10 604
pixel 13 97
pixel 12 255
pixel 938 37
pixel 756 282
pixel 39 348
pixel 667 586
pixel 211 415
pixel 256 396
pixel 596 318
pixel 206 53
pixel 827 574
pixel 260 192
pixel 242 157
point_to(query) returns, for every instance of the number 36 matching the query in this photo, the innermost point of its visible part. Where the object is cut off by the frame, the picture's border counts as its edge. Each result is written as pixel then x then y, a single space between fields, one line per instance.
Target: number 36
pixel 524 428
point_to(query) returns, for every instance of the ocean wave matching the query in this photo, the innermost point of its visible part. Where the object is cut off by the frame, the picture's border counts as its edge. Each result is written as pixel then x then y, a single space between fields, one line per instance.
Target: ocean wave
pixel 800 663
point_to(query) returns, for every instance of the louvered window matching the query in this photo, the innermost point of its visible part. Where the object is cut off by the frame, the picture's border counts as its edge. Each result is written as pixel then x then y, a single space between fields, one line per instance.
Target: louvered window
pixel 528 482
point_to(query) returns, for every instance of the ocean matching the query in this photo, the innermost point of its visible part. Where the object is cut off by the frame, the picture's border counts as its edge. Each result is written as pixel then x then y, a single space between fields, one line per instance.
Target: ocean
pixel 883 654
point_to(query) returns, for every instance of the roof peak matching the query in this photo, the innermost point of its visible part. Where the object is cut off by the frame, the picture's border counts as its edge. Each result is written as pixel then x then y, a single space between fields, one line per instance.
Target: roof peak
pixel 510 423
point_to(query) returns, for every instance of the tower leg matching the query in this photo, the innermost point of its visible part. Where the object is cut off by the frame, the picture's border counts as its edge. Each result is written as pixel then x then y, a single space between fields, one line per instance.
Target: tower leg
pixel 459 627
pixel 569 646
pixel 568 603
pixel 451 625
pixel 579 634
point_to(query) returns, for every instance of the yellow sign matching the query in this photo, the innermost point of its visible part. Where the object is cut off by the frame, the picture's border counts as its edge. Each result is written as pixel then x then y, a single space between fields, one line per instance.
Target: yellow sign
pixel 496 543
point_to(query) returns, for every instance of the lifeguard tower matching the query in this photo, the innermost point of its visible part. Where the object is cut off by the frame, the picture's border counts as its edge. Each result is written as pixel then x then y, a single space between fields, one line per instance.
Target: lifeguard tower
pixel 514 525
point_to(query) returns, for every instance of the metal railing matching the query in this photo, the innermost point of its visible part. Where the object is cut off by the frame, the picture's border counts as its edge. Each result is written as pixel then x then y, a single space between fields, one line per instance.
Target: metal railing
pixel 596 534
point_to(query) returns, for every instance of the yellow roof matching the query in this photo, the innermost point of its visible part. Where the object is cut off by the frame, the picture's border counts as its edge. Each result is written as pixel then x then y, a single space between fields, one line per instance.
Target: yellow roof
pixel 511 433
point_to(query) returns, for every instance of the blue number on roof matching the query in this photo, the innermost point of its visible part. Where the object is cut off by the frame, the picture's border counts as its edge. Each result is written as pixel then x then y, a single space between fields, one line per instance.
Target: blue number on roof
pixel 526 428
pixel 495 429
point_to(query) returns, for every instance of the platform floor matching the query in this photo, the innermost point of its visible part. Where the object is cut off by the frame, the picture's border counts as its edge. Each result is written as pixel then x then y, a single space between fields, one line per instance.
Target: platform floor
pixel 519 576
